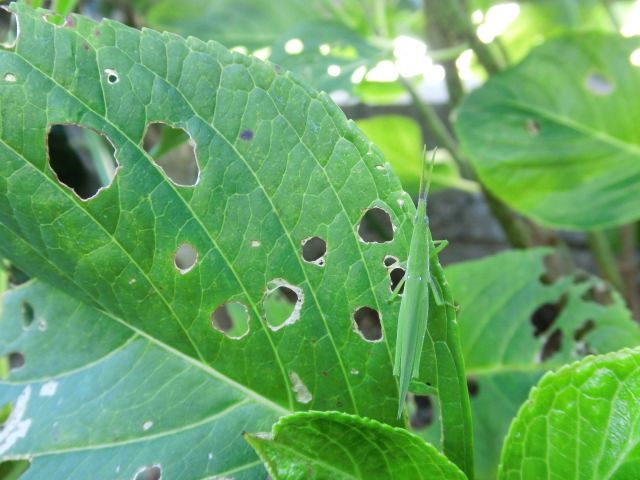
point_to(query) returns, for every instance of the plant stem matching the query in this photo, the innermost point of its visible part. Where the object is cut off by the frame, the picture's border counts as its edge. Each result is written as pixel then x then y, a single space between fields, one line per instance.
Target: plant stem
pixel 605 259
pixel 629 267
pixel 454 14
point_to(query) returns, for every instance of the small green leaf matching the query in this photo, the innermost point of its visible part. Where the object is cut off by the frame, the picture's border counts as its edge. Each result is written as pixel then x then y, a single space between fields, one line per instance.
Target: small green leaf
pixel 582 421
pixel 333 445
pixel 555 137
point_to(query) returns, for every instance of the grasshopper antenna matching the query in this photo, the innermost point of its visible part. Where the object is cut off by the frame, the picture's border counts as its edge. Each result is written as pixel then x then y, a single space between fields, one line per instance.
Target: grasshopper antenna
pixel 424 190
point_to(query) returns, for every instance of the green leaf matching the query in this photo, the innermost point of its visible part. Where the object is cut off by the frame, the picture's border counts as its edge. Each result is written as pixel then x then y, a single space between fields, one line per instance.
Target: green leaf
pixel 400 140
pixel 504 304
pixel 582 421
pixel 557 139
pixel 339 446
pixel 249 23
pixel 95 399
pixel 279 163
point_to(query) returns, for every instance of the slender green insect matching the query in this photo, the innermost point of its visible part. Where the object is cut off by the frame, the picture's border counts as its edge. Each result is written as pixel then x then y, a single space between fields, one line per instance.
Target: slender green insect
pixel 414 308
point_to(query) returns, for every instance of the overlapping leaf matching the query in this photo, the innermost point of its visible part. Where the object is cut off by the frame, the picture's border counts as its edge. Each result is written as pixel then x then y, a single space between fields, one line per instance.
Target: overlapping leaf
pixel 582 421
pixel 555 137
pixel 278 164
pixel 339 446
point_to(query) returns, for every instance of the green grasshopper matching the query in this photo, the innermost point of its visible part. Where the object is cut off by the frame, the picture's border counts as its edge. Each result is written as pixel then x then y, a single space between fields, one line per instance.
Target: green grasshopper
pixel 417 282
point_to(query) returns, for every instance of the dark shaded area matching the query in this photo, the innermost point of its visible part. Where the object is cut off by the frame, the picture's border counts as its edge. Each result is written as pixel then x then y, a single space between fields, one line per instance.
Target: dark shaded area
pixel 27 314
pixel 552 345
pixel 424 414
pixel 473 387
pixel 584 330
pixel 13 469
pixel 545 315
pixel 314 249
pixel 375 226
pixel 395 277
pixel 150 473
pixel 72 160
pixel 367 321
pixel 16 361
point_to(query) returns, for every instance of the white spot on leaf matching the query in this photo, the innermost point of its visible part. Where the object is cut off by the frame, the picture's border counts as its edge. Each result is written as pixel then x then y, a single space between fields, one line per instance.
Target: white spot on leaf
pixel 303 395
pixel 255 243
pixel 16 427
pixel 49 389
pixel 147 425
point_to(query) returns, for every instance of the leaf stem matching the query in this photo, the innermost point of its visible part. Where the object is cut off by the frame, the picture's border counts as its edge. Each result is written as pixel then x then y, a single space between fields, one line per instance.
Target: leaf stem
pixel 605 259
pixel 629 267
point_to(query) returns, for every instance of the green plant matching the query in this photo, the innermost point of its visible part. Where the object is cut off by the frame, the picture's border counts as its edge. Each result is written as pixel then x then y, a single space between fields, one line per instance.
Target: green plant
pixel 170 321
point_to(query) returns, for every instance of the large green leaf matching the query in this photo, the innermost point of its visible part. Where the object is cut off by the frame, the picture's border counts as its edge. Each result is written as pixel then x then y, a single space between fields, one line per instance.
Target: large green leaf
pixel 582 421
pixel 339 446
pixel 279 163
pixel 508 318
pixel 555 137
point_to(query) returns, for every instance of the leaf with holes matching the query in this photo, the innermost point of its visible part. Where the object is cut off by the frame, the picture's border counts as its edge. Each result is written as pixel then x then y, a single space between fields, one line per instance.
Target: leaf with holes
pixel 262 278
pixel 557 140
pixel 360 449
pixel 582 421
pixel 515 325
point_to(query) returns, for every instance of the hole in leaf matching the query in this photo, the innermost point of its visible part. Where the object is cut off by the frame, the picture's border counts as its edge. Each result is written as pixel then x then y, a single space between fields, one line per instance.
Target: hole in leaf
pixel 13 469
pixel 112 76
pixel 295 46
pixel 27 314
pixel 9 28
pixel 303 395
pixel 547 278
pixel 367 323
pixel 174 151
pixel 545 315
pixel 599 293
pixel 149 473
pixel 16 360
pixel 185 258
pixel 81 158
pixel 584 330
pixel 282 304
pixel 422 417
pixel 314 250
pixel 552 345
pixel 634 58
pixel 395 277
pixel 16 276
pixel 232 319
pixel 389 260
pixel 598 84
pixel 375 226
pixel 473 387
pixel 9 78
pixel 532 127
